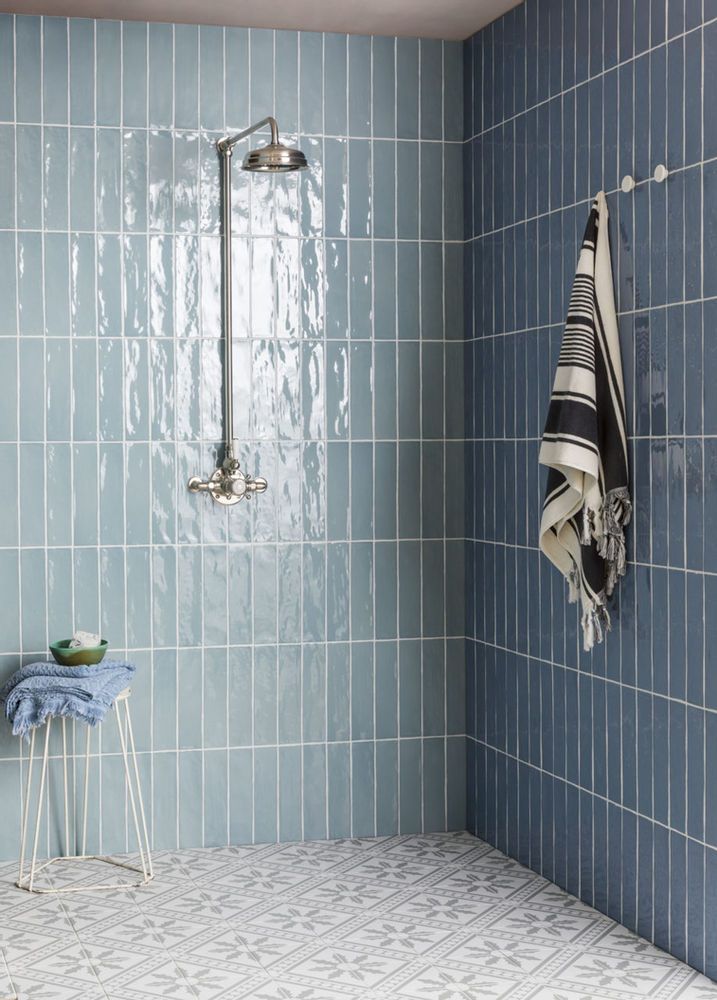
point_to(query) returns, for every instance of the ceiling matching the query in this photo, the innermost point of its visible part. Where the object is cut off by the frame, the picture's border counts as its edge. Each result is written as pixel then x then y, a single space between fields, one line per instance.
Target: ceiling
pixel 453 19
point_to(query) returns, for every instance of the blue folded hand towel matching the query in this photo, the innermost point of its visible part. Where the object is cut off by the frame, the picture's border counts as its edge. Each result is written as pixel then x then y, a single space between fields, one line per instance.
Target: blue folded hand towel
pixel 41 689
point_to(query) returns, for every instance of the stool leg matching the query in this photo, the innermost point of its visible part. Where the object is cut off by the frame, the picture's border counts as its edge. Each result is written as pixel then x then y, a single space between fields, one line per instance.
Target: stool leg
pixel 130 789
pixel 43 775
pixel 26 804
pixel 133 752
pixel 64 769
pixel 86 792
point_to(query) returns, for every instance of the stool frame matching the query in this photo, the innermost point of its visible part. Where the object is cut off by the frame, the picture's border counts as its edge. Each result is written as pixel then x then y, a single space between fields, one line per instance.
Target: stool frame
pixel 29 870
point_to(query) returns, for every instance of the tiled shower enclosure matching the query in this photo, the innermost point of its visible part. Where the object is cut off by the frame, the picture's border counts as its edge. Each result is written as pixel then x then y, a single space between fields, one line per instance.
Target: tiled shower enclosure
pixel 374 646
pixel 300 658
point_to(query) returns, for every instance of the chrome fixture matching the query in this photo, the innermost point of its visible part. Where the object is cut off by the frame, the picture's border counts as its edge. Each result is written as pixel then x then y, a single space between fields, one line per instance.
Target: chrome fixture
pixel 228 484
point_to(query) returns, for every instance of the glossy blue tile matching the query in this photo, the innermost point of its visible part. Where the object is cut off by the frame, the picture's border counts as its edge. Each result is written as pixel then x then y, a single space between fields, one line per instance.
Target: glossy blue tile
pixel 29 278
pixel 134 73
pixel 384 86
pixel 286 74
pixel 82 71
pixel 211 80
pixel 7 67
pixel 54 70
pixel 359 85
pixel 236 77
pixel 28 69
pixel 108 55
pixel 311 83
pixel 186 84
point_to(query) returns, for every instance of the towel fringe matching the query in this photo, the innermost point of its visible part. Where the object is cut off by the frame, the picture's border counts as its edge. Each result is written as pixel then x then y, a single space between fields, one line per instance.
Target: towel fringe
pixel 595 623
pixel 616 514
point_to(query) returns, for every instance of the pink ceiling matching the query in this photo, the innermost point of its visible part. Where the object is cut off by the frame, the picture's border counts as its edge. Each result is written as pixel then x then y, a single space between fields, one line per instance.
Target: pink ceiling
pixel 454 19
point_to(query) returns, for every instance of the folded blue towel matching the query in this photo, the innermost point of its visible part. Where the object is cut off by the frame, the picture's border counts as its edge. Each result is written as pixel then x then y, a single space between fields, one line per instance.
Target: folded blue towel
pixel 84 693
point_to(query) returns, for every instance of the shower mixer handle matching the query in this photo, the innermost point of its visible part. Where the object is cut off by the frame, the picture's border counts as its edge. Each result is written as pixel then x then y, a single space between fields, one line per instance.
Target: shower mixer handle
pixel 228 485
pixel 257 485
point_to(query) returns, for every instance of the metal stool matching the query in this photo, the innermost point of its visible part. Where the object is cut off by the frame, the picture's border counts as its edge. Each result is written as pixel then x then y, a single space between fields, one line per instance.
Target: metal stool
pixel 27 876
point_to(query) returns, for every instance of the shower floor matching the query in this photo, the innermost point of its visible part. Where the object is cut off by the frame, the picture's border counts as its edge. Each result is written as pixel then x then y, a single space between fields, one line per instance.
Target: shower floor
pixel 433 917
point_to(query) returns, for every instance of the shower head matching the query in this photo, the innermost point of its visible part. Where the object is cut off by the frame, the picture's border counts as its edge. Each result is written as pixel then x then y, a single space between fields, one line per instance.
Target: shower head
pixel 274 158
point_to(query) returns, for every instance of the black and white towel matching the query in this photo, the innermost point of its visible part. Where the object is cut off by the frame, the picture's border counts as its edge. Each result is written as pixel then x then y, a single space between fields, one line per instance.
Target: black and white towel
pixel 587 502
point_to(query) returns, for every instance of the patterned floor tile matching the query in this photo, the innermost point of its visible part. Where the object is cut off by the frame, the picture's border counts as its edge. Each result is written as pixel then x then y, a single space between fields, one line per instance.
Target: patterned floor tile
pixel 492 885
pixel 392 871
pixel 446 983
pixel 303 919
pixel 6 987
pixel 20 943
pixel 239 948
pixel 442 908
pixel 530 923
pixel 347 967
pixel 483 952
pixel 347 893
pixel 165 979
pixel 29 987
pixel 284 989
pixel 203 902
pixel 67 964
pixel 637 975
pixel 403 937
pixel 432 917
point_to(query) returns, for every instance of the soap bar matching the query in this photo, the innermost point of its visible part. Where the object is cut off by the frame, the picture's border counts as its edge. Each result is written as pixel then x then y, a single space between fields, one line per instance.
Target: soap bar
pixel 80 639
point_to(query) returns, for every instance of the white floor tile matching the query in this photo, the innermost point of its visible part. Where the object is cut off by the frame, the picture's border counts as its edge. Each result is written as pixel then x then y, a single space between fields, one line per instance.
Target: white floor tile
pixel 439 917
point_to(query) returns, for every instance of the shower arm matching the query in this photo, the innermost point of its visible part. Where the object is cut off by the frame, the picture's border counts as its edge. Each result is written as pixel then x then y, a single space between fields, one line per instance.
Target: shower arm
pixel 228 484
pixel 228 143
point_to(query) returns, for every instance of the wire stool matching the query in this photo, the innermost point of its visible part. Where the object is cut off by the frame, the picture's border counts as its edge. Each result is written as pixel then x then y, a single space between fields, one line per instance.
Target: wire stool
pixel 28 873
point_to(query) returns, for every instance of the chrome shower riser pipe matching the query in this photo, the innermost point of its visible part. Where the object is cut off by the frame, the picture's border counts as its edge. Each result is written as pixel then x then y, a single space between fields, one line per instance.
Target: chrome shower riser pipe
pixel 228 484
pixel 225 155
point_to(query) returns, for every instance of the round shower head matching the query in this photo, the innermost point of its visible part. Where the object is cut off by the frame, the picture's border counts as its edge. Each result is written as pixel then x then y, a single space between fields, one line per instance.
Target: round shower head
pixel 274 158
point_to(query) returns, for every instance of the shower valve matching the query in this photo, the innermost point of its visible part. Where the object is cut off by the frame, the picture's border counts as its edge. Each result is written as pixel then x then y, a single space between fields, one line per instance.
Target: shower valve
pixel 228 484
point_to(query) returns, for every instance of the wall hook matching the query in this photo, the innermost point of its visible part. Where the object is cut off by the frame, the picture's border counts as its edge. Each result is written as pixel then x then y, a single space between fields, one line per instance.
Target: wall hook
pixel 628 184
pixel 661 173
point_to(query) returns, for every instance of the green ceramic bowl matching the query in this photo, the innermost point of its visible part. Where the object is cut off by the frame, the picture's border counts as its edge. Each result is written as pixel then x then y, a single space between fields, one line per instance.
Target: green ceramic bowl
pixel 81 656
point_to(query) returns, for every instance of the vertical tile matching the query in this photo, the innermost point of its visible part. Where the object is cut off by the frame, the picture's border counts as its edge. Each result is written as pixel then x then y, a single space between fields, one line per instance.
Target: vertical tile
pixel 54 69
pixel 7 67
pixel 134 73
pixel 359 85
pixel 384 86
pixel 82 72
pixel 186 83
pixel 108 49
pixel 286 75
pixel 407 91
pixel 311 83
pixel 28 69
pixel 211 80
pixel 236 77
pixel 160 49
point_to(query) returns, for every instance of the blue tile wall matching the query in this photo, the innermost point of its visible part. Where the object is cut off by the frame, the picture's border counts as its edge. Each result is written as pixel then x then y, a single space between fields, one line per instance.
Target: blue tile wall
pixel 592 768
pixel 301 667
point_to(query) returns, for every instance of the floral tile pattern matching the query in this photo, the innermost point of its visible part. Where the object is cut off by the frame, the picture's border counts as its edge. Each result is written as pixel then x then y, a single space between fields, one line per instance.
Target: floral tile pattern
pixel 431 917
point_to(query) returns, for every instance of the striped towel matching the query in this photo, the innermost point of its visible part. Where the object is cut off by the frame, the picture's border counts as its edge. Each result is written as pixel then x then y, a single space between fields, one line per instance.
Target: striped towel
pixel 587 502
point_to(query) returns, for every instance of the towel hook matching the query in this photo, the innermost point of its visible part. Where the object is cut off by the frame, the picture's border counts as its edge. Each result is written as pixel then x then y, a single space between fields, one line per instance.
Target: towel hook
pixel 660 176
